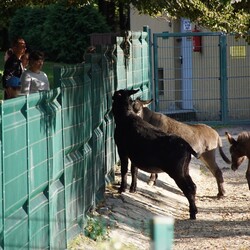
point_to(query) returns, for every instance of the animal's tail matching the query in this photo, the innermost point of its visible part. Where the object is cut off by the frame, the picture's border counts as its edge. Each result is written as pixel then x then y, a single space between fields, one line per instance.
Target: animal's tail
pixel 224 157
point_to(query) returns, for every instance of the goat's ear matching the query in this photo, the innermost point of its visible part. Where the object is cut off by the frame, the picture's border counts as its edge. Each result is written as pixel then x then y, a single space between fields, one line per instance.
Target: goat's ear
pixel 230 138
pixel 147 102
pixel 133 91
pixel 144 103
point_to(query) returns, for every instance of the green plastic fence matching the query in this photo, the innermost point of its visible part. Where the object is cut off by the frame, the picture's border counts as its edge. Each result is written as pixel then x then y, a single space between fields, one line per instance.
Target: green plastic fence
pixel 57 148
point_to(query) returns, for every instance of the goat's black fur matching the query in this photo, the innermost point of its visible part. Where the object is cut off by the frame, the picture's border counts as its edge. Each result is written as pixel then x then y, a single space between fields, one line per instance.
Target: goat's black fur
pixel 150 149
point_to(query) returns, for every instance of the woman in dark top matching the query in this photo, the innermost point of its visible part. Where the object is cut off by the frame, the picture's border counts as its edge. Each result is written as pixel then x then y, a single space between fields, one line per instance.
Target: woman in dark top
pixel 13 69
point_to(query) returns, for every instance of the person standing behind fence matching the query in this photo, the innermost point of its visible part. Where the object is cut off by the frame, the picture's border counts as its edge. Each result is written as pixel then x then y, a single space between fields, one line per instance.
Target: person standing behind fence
pixel 34 79
pixel 13 69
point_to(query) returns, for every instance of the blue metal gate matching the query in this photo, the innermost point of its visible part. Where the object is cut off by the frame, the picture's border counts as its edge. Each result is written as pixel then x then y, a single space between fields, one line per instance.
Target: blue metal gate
pixel 208 85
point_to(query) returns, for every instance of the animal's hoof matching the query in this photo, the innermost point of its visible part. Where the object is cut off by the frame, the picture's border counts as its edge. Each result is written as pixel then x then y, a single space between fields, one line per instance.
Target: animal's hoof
pixel 121 190
pixel 192 217
pixel 220 196
pixel 151 183
pixel 132 190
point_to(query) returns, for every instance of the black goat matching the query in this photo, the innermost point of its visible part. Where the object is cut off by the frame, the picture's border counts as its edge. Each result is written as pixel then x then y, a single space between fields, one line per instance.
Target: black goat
pixel 150 149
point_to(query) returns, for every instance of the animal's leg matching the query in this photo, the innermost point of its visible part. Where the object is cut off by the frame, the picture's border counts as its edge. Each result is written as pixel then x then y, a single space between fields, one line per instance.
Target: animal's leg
pixel 152 179
pixel 185 183
pixel 124 174
pixel 188 188
pixel 134 173
pixel 248 175
pixel 209 159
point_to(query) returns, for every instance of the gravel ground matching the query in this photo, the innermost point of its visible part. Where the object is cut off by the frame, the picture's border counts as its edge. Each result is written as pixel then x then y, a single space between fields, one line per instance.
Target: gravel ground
pixel 222 224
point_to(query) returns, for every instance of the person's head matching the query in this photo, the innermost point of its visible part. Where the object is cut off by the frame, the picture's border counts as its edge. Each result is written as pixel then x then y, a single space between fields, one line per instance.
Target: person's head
pixel 36 59
pixel 18 47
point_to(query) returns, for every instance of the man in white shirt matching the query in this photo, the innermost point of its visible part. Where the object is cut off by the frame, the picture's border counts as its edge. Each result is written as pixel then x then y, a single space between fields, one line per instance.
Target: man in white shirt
pixel 33 79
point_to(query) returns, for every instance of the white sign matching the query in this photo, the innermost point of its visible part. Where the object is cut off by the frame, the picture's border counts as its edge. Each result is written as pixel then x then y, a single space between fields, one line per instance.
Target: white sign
pixel 186 25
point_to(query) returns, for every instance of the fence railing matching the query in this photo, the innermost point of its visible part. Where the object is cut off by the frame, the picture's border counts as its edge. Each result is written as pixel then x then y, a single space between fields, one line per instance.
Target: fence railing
pixel 57 147
pixel 209 85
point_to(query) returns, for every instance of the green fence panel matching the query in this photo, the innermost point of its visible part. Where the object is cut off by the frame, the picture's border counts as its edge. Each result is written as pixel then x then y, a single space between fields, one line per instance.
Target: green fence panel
pixel 121 63
pixel 14 155
pixel 58 149
pixel 56 171
pixel 98 163
pixel 136 60
pixel 129 58
pixel 38 160
pixel 98 106
pixel 37 143
pixel 87 109
pixel 16 230
pixel 98 88
pixel 15 175
pixel 39 221
pixel 1 179
pixel 57 220
pixel 108 65
pixel 77 121
pixel 145 65
pixel 72 106
pixel 74 193
pixel 89 195
pixel 88 173
pixel 54 135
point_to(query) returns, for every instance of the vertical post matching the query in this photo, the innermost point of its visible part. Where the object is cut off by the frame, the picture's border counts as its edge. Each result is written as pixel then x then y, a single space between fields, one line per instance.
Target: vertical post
pixel 148 30
pixel 28 155
pixel 186 66
pixel 162 233
pixel 2 171
pixel 223 78
pixel 155 53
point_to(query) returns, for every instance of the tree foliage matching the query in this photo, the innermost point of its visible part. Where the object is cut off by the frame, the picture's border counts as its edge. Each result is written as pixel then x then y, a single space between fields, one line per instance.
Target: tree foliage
pixel 62 32
pixel 29 23
pixel 66 31
pixel 216 15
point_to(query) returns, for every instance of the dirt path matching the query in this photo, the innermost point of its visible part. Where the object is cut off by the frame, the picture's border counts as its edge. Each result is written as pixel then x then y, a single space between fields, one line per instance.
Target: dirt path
pixel 222 224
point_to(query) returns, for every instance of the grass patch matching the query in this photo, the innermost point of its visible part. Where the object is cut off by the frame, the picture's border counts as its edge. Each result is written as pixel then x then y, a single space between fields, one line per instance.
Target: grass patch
pixel 82 242
pixel 96 229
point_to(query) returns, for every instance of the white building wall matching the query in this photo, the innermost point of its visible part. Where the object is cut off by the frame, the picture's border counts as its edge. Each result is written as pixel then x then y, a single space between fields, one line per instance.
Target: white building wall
pixel 157 25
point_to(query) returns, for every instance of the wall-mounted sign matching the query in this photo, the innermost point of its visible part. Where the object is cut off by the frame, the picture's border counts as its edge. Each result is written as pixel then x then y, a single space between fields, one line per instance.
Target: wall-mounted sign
pixel 238 51
pixel 187 25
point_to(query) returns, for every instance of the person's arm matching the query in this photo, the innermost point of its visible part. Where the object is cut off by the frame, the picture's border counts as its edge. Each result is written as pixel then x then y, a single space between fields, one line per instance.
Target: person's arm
pixel 8 71
pixel 25 83
pixel 47 81
pixel 12 68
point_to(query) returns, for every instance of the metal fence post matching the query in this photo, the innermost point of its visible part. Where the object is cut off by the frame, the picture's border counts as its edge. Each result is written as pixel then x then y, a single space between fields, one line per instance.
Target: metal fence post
pixel 162 233
pixel 223 79
pixel 156 90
